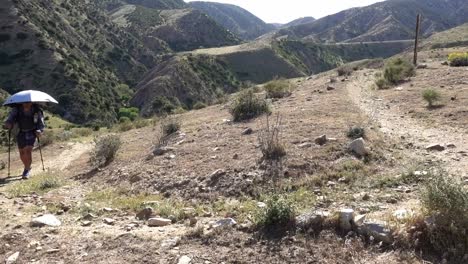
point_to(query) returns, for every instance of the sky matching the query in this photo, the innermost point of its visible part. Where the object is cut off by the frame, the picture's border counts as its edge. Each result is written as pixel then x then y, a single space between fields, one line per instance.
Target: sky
pixel 284 11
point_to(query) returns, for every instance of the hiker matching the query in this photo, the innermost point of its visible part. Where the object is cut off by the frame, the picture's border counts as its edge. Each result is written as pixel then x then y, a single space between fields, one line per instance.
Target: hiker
pixel 30 120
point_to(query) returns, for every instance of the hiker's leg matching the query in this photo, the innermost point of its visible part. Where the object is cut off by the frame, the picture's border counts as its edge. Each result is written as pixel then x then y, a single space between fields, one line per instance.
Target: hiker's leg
pixel 27 157
pixel 23 157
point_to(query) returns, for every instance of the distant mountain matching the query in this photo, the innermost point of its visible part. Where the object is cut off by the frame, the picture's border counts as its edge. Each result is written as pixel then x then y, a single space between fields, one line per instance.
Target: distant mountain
pixel 238 20
pixel 388 20
pixel 276 25
pixel 155 4
pixel 299 21
pixel 179 29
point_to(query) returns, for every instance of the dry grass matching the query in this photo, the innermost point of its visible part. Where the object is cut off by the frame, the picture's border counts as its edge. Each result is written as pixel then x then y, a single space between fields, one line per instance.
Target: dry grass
pixel 37 184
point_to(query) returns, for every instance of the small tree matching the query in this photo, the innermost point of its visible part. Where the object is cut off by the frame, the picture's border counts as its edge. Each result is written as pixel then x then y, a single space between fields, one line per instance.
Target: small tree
pixel 431 96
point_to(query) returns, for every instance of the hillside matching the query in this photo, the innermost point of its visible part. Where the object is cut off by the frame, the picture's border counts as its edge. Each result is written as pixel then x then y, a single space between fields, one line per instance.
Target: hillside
pixel 299 21
pixel 206 75
pixel 238 20
pixel 90 58
pixel 73 52
pixel 383 21
pixel 453 37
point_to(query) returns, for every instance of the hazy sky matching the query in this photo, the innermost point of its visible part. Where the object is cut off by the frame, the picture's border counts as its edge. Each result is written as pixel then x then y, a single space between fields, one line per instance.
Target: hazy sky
pixel 283 11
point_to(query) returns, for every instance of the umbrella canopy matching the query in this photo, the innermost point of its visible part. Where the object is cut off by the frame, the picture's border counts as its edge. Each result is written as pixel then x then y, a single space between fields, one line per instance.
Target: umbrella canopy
pixel 30 96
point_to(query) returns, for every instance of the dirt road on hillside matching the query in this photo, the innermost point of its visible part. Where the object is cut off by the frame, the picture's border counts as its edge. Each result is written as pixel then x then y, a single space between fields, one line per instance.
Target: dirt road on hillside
pixel 396 124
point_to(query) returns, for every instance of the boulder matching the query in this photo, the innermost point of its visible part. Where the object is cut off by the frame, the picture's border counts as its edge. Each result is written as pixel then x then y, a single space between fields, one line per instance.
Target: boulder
pixel 12 258
pixel 358 147
pixel 45 220
pixel 322 140
pixel 108 221
pixel 162 150
pixel 157 222
pixel 184 260
pixel 170 242
pixel 247 131
pixel 330 88
pixel 378 230
pixel 145 214
pixel 435 147
pixel 346 218
pixel 311 220
pixel 422 66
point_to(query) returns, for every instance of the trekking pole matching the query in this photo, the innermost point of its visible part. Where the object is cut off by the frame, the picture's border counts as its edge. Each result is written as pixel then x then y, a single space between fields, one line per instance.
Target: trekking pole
pixel 9 148
pixel 40 151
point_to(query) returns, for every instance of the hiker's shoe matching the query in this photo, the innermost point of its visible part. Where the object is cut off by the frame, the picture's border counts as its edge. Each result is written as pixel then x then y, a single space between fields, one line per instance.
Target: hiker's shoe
pixel 26 174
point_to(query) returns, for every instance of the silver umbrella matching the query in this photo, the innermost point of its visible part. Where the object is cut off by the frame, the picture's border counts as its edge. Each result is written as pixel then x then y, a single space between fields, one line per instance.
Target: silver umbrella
pixel 30 96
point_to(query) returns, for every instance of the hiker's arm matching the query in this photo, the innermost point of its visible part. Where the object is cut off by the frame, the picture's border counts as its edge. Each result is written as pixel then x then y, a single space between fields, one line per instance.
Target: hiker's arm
pixel 11 119
pixel 40 126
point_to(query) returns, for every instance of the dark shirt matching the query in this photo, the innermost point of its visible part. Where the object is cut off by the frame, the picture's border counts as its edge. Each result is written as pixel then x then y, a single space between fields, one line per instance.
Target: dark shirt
pixel 14 113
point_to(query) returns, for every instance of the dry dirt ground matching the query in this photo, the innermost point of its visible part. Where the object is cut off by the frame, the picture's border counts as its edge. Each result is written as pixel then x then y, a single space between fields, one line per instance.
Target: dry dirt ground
pixel 398 128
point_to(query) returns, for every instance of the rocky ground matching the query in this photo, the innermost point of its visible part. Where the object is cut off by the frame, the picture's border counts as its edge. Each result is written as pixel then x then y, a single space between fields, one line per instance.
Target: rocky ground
pixel 204 191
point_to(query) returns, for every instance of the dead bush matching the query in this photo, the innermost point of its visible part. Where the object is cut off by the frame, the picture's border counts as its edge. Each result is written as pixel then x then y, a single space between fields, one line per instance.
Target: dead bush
pixel 105 150
pixel 272 148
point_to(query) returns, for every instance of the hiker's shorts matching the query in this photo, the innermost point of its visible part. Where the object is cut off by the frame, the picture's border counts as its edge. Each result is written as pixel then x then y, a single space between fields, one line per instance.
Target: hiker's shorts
pixel 26 139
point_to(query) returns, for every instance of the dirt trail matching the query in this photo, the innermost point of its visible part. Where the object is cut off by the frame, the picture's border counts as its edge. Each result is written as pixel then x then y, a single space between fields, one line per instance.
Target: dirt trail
pixel 394 123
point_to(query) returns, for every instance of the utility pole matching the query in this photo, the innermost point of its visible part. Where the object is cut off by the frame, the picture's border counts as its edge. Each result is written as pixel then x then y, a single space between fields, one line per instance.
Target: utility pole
pixel 418 22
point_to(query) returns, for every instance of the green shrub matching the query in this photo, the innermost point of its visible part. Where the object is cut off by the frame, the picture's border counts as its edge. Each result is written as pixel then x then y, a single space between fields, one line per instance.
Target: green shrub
pixel 140 123
pixel 82 132
pixel 124 119
pixel 458 59
pixel 446 202
pixel 199 105
pixel 431 96
pixel 105 150
pixel 344 70
pixel 169 126
pixel 381 83
pixel 397 70
pixel 247 105
pixel 131 113
pixel 279 212
pixel 356 132
pixel 162 105
pixel 125 126
pixel 278 88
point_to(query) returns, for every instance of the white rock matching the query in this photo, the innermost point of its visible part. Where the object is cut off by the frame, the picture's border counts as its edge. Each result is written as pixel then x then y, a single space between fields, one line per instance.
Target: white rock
pixel 346 217
pixel 12 259
pixel 402 214
pixel 155 222
pixel 184 260
pixel 108 221
pixel 224 223
pixel 378 230
pixel 359 219
pixel 261 205
pixel 358 147
pixel 170 243
pixel 305 145
pixel 45 220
